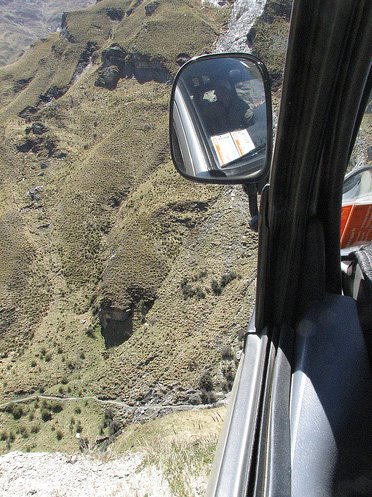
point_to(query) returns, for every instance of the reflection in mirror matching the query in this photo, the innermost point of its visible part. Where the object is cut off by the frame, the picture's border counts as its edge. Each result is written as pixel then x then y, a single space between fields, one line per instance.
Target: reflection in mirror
pixel 356 214
pixel 358 185
pixel 219 119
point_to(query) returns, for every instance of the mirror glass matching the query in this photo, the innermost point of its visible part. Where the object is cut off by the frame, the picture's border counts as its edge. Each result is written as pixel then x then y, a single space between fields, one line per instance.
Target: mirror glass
pixel 220 123
pixel 358 185
pixel 356 213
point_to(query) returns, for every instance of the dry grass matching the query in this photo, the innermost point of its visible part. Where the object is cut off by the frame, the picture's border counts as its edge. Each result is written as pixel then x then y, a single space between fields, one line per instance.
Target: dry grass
pixel 181 445
pixel 113 215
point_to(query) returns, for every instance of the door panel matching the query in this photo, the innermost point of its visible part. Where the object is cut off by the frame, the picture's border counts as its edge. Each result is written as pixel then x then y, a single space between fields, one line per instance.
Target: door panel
pixel 331 403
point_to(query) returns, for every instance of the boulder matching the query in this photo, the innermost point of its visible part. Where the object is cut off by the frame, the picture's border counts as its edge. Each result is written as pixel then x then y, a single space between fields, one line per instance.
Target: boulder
pixel 133 7
pixel 116 324
pixel 108 77
pixel 25 146
pixel 144 68
pixel 84 59
pixel 38 128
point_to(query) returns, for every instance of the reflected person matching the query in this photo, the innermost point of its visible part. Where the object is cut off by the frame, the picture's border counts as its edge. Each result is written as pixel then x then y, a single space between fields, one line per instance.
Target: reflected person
pixel 228 112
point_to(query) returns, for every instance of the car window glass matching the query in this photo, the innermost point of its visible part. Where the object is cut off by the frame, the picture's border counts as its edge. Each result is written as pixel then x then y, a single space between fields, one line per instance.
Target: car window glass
pixel 356 214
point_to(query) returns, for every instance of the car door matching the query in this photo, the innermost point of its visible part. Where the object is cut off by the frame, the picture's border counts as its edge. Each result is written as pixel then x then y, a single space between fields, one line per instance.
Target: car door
pixel 300 415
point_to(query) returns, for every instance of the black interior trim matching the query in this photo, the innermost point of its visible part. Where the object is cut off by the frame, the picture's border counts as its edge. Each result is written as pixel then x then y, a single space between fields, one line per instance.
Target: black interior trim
pixel 331 403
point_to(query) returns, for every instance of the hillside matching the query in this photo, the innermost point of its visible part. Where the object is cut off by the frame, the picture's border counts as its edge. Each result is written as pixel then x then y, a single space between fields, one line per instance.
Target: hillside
pixel 126 290
pixel 96 224
pixel 22 22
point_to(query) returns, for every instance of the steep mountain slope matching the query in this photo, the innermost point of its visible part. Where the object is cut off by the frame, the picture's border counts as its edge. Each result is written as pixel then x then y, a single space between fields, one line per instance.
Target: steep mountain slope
pixel 120 280
pixel 24 21
pixel 93 215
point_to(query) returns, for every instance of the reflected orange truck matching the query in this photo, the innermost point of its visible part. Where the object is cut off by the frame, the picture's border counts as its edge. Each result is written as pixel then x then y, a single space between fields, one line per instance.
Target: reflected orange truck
pixel 356 214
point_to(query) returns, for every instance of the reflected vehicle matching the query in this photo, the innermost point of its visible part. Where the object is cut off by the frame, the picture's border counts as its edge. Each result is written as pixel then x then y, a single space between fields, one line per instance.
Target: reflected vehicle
pixel 358 185
pixel 356 214
pixel 220 121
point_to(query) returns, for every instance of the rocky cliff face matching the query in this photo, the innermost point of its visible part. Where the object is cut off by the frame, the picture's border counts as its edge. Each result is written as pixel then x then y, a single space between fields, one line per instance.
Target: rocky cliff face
pixel 260 27
pixel 118 63
pixel 244 15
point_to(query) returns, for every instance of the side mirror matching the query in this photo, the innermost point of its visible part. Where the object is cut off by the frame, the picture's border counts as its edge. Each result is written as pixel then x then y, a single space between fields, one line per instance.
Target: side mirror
pixel 220 119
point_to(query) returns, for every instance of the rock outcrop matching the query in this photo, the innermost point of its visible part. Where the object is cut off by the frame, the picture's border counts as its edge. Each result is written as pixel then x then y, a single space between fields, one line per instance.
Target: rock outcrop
pixel 118 63
pixel 64 32
pixel 150 8
pixel 115 14
pixel 117 323
pixel 84 60
pixel 53 93
pixel 243 16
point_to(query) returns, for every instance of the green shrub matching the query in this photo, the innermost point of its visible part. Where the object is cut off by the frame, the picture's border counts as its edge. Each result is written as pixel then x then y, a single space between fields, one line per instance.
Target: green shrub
pixel 56 406
pixel 205 382
pixel 226 278
pixel 226 352
pixel 35 429
pixel 77 410
pixel 199 294
pixel 45 415
pixel 16 411
pixel 59 434
pixel 23 431
pixel 90 332
pixel 33 363
pixel 216 289
pixel 3 435
pixel 109 413
pixel 187 290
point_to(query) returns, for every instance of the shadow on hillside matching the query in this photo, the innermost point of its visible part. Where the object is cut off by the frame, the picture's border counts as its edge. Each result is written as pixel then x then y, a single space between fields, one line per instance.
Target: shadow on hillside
pixel 116 332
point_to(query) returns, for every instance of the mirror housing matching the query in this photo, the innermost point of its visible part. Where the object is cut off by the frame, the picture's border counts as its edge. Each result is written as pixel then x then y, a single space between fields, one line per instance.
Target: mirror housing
pixel 220 123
